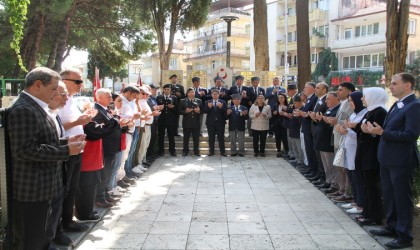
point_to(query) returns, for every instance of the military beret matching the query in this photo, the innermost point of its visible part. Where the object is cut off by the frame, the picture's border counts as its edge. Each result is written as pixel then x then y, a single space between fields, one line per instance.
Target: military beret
pixel 291 86
pixel 174 75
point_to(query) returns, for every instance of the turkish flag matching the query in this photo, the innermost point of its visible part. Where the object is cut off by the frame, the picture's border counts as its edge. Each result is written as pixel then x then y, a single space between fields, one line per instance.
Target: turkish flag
pixel 96 83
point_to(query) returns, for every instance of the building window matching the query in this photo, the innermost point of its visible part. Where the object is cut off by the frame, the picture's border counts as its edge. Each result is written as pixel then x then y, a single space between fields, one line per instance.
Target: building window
pixel 347 33
pixel 290 37
pixel 366 61
pixel 359 62
pixel 213 45
pixel 291 11
pixel 314 58
pixel 376 28
pixel 357 31
pixel 412 26
pixel 315 5
pixel 213 64
pixel 295 60
pixel 346 62
pixel 173 62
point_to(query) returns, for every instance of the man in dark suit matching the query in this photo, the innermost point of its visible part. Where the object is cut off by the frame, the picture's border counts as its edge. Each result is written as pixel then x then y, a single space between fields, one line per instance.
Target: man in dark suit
pixel 202 94
pixel 271 96
pixel 110 148
pixel 216 116
pixel 311 101
pixel 178 91
pixel 398 157
pixel 166 119
pixel 37 158
pixel 237 115
pixel 240 90
pixel 190 109
pixel 320 108
pixel 223 92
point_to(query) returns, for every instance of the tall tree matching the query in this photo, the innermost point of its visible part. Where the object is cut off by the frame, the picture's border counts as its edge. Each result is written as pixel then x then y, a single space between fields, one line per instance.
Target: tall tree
pixel 396 37
pixel 172 16
pixel 304 52
pixel 261 36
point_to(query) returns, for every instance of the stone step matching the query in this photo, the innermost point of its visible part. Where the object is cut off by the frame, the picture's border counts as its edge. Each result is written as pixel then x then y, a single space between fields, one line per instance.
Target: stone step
pixel 204 144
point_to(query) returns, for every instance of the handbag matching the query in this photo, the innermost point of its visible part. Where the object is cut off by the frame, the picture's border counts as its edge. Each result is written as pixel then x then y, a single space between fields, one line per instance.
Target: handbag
pixel 340 156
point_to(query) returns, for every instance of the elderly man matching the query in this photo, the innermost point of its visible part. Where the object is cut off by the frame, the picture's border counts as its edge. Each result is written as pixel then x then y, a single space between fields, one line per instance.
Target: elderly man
pixel 37 158
pixel 223 92
pixel 178 91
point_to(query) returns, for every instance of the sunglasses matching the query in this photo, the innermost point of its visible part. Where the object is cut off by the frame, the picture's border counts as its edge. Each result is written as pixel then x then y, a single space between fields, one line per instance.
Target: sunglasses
pixel 75 81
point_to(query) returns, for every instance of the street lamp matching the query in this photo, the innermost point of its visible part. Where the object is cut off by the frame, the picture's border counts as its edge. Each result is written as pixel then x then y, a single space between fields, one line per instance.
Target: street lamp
pixel 229 20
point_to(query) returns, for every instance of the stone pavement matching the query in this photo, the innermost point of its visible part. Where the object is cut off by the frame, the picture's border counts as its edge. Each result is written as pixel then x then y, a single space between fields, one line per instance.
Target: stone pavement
pixel 226 203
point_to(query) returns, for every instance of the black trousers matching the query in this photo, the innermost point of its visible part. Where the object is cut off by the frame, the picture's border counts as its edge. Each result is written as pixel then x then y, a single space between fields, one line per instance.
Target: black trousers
pixel 259 138
pixel 397 188
pixel 195 132
pixel 281 137
pixel 73 175
pixel 85 195
pixel 35 223
pixel 153 136
pixel 102 187
pixel 162 128
pixel 373 208
pixel 220 132
pixel 357 187
pixel 310 151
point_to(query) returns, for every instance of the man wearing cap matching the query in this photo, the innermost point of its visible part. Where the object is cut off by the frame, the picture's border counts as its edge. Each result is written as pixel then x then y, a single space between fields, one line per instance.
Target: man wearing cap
pixel 216 117
pixel 200 93
pixel 166 120
pixel 190 108
pixel 241 90
pixel 291 93
pixel 178 91
pixel 237 115
pixel 271 95
pixel 254 91
pixel 223 92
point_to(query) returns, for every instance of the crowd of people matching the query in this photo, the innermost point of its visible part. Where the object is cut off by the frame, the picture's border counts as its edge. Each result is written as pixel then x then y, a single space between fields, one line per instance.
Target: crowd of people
pixel 65 158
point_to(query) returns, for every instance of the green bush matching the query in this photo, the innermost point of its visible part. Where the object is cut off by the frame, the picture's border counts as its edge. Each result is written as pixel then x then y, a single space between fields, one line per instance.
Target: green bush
pixel 361 78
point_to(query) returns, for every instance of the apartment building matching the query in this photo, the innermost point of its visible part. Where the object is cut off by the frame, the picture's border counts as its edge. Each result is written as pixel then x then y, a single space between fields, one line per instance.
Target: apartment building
pixel 207 45
pixel 358 34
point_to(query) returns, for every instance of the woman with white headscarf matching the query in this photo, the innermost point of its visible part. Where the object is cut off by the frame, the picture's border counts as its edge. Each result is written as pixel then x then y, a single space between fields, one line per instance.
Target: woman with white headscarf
pixel 366 160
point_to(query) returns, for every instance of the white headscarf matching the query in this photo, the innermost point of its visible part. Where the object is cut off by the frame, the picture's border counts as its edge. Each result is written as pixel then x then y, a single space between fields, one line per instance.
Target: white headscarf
pixel 375 97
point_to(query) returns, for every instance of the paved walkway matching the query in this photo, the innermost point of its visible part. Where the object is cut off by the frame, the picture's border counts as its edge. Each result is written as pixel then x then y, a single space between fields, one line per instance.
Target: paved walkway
pixel 226 203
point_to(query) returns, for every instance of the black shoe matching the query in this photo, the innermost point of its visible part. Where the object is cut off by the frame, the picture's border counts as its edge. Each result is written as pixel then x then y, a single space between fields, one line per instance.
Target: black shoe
pixel 123 184
pixel 223 154
pixel 103 204
pixel 161 154
pixel 62 239
pixel 330 190
pixel 173 154
pixel 398 244
pixel 279 155
pixel 256 155
pixel 211 154
pixel 233 155
pixel 146 164
pixel 262 154
pixel 241 155
pixel 197 154
pixel 383 232
pixel 323 185
pixel 128 180
pixel 91 218
pixel 270 136
pixel 112 200
pixel 184 153
pixel 74 227
pixel 177 135
pixel 318 182
pixel 314 178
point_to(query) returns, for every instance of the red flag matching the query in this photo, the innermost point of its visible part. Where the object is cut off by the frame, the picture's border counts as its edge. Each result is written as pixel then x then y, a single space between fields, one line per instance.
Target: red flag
pixel 96 83
pixel 139 79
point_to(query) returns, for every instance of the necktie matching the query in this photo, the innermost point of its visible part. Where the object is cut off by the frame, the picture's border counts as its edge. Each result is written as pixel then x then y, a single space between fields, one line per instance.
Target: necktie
pixel 239 90
pixel 255 90
pixel 61 126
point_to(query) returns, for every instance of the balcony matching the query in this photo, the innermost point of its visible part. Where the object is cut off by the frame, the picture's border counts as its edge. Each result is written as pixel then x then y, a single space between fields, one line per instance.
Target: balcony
pixel 234 52
pixel 314 15
pixel 208 33
pixel 358 41
pixel 315 42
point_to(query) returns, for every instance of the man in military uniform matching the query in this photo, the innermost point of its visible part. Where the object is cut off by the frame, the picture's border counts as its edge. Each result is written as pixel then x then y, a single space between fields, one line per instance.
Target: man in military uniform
pixel 178 91
pixel 190 108
pixel 200 93
pixel 166 119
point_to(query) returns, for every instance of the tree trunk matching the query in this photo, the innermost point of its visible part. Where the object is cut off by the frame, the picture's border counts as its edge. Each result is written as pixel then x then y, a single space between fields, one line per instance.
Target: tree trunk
pixel 51 55
pixel 304 51
pixel 261 36
pixel 62 41
pixel 396 37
